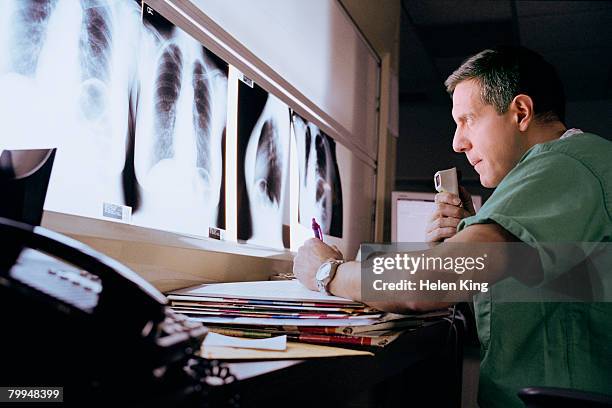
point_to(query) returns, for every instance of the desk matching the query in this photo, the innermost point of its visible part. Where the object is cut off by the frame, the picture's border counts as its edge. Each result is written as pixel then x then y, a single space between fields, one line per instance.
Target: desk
pixel 421 368
pixel 104 358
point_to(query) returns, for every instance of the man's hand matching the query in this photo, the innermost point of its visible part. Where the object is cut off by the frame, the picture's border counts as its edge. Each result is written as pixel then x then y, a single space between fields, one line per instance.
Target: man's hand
pixel 450 210
pixel 309 258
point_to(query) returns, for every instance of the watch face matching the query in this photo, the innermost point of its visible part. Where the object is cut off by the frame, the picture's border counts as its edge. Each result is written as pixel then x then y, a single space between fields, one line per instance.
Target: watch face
pixel 323 271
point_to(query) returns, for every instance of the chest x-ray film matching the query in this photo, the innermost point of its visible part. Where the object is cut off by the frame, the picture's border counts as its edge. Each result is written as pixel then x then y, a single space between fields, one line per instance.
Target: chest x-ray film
pixel 263 167
pixel 320 189
pixel 66 79
pixel 135 107
pixel 180 130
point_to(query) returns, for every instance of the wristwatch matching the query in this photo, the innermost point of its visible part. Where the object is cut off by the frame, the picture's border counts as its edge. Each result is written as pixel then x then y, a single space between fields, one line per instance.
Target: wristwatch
pixel 325 274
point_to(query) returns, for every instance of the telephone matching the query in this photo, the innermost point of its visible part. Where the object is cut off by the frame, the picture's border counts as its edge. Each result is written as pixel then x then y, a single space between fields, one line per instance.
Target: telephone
pixel 76 318
pixel 447 180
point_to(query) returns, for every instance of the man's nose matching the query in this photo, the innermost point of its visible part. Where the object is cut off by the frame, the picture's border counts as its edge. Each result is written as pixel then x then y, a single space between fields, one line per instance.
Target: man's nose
pixel 460 142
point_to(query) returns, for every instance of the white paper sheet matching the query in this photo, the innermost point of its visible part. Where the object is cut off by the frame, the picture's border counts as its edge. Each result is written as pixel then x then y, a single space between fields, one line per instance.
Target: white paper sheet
pixel 284 290
pixel 285 322
pixel 278 343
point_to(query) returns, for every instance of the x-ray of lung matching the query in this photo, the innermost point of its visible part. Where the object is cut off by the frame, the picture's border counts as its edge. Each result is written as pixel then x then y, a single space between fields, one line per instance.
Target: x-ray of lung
pixel 135 106
pixel 180 130
pixel 66 75
pixel 320 190
pixel 263 168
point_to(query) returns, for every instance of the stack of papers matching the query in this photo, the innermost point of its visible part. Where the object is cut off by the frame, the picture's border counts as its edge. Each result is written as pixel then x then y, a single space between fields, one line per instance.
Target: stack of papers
pixel 265 309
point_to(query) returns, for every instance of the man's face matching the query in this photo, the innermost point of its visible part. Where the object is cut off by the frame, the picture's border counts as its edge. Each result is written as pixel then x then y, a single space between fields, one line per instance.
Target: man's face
pixel 491 141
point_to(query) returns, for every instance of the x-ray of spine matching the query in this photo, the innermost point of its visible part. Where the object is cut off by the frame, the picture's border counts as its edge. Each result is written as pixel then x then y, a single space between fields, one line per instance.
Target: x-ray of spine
pixel 66 72
pixel 320 189
pixel 180 127
pixel 263 168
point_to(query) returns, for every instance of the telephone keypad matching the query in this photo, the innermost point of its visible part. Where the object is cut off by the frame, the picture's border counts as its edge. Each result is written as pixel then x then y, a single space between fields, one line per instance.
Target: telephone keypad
pixel 176 328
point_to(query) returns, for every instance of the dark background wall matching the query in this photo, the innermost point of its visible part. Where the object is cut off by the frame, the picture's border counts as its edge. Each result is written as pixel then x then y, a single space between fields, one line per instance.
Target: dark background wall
pixel 436 36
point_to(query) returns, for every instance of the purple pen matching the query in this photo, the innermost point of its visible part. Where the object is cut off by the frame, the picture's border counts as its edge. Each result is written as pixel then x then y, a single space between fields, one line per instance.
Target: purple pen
pixel 316 228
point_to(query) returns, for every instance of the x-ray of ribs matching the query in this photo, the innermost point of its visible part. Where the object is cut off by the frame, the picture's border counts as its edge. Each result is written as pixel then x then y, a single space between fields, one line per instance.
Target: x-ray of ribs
pixel 96 47
pixel 73 61
pixel 317 174
pixel 202 114
pixel 169 82
pixel 76 52
pixel 28 24
pixel 180 120
pixel 266 171
pixel 167 89
pixel 186 86
pixel 269 163
pixel 96 41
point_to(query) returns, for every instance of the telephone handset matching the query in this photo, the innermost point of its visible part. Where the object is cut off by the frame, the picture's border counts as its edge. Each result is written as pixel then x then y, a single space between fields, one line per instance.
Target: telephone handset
pixel 447 180
pixel 108 313
pixel 115 275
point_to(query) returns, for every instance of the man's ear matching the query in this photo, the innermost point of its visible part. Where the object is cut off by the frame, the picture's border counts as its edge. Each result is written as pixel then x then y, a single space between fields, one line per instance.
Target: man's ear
pixel 522 106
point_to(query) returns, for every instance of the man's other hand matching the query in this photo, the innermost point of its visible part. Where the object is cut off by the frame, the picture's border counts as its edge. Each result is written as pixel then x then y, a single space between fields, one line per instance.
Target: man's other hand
pixel 450 210
pixel 309 258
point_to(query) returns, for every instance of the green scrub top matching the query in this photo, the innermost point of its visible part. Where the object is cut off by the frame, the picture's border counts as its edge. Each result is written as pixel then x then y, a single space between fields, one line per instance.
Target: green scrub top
pixel 560 191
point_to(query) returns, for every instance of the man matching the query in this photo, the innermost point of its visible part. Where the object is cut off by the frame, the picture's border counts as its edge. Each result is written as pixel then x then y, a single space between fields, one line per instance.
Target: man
pixel 552 185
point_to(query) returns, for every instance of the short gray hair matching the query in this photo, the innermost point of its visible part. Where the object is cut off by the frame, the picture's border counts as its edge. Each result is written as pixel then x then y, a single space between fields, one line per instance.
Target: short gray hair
pixel 505 72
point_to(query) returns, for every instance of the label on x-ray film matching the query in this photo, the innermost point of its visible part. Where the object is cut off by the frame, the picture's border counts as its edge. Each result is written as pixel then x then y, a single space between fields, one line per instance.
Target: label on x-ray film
pixel 216 233
pixel 118 212
pixel 248 81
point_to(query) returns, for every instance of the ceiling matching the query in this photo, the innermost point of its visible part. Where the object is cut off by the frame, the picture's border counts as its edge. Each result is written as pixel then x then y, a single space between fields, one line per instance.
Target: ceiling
pixel 437 35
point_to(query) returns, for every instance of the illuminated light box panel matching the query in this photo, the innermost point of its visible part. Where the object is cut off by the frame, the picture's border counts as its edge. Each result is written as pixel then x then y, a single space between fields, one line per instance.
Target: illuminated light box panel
pixel 136 107
pixel 287 172
pixel 152 131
